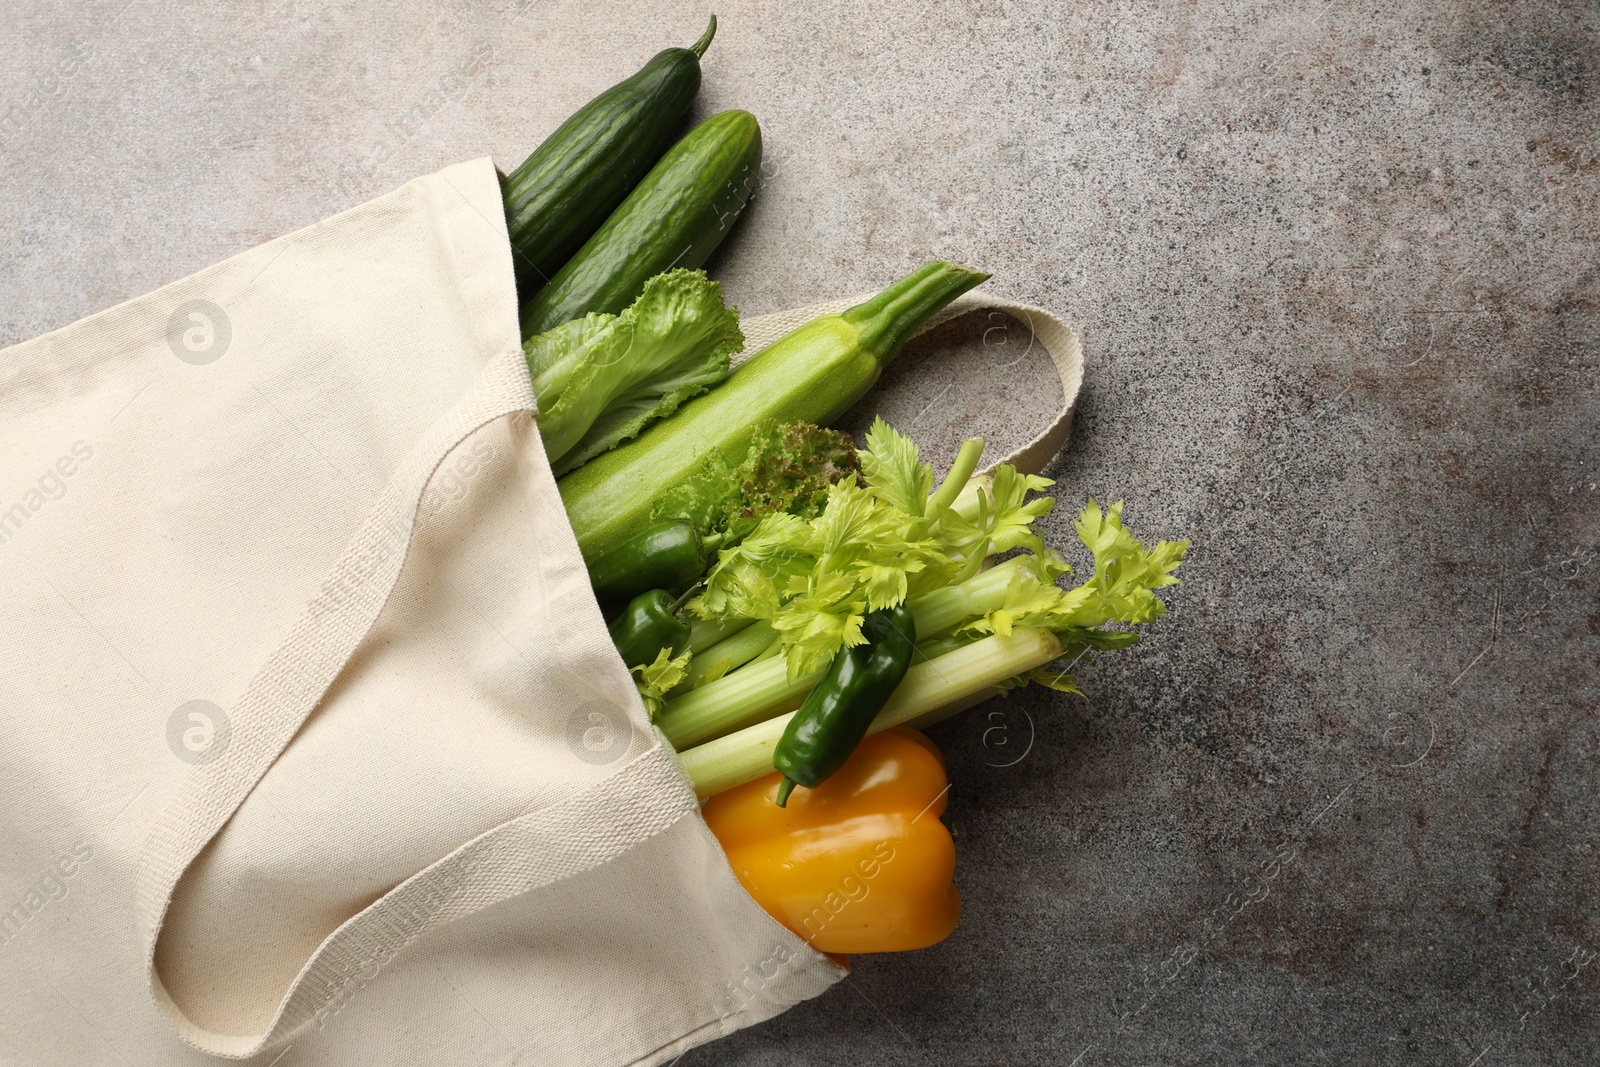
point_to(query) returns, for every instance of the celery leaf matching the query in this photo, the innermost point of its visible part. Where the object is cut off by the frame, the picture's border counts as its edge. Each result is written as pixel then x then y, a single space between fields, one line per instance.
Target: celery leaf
pixel 893 469
pixel 657 679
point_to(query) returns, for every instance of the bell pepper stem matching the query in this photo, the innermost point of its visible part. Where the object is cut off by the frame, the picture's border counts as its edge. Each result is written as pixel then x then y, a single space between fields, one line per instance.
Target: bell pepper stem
pixel 687 595
pixel 784 789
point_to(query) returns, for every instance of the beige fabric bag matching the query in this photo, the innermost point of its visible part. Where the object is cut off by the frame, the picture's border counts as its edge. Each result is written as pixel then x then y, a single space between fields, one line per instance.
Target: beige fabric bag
pixel 316 750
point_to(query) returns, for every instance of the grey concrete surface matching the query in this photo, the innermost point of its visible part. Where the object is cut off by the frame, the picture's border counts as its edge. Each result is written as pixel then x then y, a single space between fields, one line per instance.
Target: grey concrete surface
pixel 1334 263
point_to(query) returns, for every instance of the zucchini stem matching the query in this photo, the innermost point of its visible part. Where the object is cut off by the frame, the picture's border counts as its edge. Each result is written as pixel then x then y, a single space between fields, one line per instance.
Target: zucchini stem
pixel 687 595
pixel 884 322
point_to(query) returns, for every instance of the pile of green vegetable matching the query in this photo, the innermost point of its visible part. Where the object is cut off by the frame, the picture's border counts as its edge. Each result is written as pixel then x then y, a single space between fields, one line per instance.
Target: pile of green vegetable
pixel 888 564
pixel 778 592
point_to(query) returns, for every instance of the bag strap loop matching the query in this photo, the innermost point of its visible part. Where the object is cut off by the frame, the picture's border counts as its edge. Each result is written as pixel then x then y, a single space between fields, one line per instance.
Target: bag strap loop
pixel 1059 340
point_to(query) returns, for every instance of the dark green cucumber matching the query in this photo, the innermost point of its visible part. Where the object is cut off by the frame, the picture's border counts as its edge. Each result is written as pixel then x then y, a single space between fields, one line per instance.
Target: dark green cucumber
pixel 675 217
pixel 570 184
pixel 811 374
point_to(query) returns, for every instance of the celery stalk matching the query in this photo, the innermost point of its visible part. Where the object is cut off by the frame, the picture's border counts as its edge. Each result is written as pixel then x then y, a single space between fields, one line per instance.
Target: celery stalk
pixel 703 634
pixel 762 689
pixel 727 654
pixel 927 687
pixel 956 481
pixel 935 647
pixel 732 701
pixel 937 715
pixel 953 605
pixel 966 502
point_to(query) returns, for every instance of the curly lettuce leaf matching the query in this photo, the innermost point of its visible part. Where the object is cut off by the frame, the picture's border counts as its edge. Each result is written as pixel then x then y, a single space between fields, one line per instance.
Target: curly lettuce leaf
pixel 544 351
pixel 672 343
pixel 703 495
pixel 788 468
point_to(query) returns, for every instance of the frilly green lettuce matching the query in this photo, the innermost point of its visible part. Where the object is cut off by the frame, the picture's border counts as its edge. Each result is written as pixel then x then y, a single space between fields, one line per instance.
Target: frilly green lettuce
pixel 788 469
pixel 602 379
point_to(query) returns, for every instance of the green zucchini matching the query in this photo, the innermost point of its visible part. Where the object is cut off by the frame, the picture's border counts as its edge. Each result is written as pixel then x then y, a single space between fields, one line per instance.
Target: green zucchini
pixel 675 217
pixel 811 374
pixel 570 184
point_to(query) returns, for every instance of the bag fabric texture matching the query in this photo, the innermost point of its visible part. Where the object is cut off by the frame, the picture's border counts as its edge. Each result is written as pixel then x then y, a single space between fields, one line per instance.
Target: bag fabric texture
pixel 316 748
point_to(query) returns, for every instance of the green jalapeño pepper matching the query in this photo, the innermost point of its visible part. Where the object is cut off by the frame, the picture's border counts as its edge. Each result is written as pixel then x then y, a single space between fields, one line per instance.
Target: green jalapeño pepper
pixel 838 710
pixel 647 625
pixel 665 556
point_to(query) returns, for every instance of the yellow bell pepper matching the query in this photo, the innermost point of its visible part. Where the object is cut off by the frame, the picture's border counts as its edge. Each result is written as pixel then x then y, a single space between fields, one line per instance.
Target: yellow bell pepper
pixel 859 864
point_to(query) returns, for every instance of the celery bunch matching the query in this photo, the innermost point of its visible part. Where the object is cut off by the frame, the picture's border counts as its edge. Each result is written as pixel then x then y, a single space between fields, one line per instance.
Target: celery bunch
pixel 876 544
pixel 795 590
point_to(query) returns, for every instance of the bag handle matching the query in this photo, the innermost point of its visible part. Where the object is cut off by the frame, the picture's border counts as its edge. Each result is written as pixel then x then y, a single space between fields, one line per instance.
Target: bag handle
pixel 640 798
pixel 1059 339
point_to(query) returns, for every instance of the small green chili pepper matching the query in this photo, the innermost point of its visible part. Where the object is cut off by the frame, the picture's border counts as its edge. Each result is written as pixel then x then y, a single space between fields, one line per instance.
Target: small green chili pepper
pixel 667 555
pixel 647 625
pixel 840 708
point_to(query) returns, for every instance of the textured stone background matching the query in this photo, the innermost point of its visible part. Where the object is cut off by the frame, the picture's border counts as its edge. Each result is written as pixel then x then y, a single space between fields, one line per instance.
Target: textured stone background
pixel 1334 264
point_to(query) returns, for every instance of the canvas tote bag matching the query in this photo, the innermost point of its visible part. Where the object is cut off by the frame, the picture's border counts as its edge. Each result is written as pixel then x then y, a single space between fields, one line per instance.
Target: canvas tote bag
pixel 315 747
